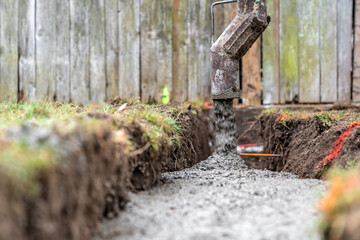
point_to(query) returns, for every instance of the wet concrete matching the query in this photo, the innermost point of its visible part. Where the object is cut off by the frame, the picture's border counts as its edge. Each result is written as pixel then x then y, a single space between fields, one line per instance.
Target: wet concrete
pixel 225 126
pixel 220 198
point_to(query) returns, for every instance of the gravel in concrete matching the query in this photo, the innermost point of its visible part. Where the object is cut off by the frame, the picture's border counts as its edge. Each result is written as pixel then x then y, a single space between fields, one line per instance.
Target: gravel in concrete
pixel 220 198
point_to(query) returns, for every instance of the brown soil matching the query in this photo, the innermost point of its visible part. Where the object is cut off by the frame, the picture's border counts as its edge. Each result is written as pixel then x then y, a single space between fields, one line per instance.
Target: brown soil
pixel 148 163
pixel 93 178
pixel 248 132
pixel 304 143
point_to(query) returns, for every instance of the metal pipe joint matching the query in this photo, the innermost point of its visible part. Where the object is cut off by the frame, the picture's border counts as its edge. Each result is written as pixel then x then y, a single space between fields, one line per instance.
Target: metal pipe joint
pixel 250 22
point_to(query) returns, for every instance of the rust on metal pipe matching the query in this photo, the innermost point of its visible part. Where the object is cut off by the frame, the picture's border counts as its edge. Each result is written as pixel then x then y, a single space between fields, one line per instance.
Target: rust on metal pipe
pixel 250 22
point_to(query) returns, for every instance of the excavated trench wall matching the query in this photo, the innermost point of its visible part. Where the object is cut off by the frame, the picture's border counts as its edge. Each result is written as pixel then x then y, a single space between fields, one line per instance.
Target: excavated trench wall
pixel 306 143
pixel 93 176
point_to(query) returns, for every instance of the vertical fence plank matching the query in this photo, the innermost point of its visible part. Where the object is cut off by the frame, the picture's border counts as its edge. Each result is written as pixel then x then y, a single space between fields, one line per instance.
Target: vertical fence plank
pixel 97 51
pixel 271 56
pixel 8 49
pixel 79 67
pixel 180 51
pixel 356 75
pixel 289 52
pixel 149 55
pixel 164 46
pixel 328 42
pixel 251 76
pixel 27 76
pixel 45 49
pixel 129 47
pixel 345 18
pixel 194 45
pixel 112 65
pixel 309 57
pixel 204 54
pixel 62 65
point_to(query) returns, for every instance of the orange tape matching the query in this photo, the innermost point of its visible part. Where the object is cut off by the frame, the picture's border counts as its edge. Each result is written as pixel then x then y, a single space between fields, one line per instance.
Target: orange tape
pixel 248 145
pixel 260 155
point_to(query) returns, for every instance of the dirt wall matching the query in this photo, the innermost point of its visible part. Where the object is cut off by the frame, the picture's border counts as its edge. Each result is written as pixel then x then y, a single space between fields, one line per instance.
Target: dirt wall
pixel 306 143
pixel 96 170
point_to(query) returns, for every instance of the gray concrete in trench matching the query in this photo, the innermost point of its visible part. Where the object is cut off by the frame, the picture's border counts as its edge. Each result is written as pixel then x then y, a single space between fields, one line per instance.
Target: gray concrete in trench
pixel 221 198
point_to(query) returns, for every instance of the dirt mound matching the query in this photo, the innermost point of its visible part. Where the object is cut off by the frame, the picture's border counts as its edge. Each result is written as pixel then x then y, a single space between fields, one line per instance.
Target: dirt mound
pixel 83 170
pixel 306 142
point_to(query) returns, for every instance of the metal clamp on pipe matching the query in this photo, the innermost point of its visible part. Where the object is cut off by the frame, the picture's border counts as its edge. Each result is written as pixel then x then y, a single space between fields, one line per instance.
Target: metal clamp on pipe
pixel 250 22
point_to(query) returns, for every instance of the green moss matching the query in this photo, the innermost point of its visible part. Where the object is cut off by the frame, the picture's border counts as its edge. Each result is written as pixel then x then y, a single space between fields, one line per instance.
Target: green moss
pixel 289 46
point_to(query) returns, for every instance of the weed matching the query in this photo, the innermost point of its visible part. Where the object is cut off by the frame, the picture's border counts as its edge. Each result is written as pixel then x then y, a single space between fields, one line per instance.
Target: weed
pixel 327 119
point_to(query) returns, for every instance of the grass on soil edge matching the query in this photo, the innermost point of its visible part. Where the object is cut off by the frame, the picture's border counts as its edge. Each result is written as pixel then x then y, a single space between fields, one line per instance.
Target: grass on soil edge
pixel 20 163
pixel 328 118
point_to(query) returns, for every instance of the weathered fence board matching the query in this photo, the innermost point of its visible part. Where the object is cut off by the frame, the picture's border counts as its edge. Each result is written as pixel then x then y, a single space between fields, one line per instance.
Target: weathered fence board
pixel 156 48
pixel 328 42
pixel 205 42
pixel 356 74
pixel 112 50
pixel 194 50
pixel 309 52
pixel 164 47
pixel 62 65
pixel 79 68
pixel 97 51
pixel 271 56
pixel 27 75
pixel 179 91
pixel 345 38
pixel 45 49
pixel 289 52
pixel 149 58
pixel 251 76
pixel 129 48
pixel 8 49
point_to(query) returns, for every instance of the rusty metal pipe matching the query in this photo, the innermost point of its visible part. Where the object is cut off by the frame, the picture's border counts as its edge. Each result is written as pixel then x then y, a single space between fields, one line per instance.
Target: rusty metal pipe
pixel 250 22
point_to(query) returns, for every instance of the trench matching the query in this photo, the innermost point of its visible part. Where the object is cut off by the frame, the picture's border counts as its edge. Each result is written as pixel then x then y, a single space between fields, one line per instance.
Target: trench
pixel 221 198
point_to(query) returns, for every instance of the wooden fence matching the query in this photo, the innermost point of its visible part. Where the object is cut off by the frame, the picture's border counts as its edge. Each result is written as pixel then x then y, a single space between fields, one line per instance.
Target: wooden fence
pixel 307 51
pixel 93 50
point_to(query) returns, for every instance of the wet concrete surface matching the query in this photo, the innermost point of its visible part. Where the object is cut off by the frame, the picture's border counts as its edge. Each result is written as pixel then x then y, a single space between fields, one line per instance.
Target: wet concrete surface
pixel 221 198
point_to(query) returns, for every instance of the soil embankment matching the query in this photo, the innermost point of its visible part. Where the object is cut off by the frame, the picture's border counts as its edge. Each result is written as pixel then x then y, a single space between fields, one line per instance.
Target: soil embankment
pixel 310 143
pixel 58 182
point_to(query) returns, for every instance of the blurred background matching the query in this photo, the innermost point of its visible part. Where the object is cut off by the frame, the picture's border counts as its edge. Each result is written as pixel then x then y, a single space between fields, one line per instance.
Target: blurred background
pixel 95 50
